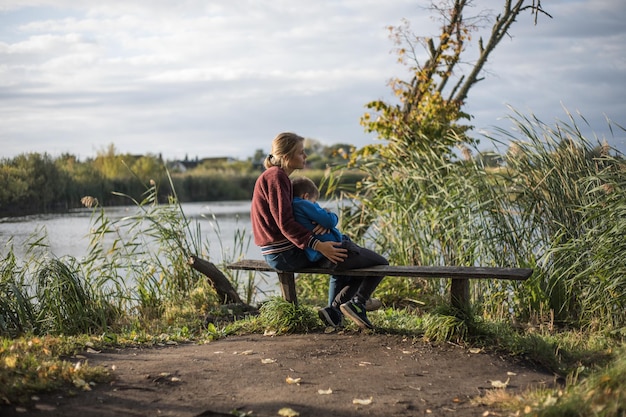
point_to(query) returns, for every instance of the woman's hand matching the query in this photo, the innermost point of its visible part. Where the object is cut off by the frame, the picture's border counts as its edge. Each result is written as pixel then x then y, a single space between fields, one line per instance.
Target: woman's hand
pixel 333 251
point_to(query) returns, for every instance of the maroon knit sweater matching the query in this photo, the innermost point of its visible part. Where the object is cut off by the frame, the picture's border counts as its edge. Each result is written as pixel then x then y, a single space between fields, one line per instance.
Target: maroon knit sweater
pixel 273 225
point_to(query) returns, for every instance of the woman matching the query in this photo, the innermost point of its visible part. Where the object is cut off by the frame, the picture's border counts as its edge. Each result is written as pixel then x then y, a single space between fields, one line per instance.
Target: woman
pixel 282 239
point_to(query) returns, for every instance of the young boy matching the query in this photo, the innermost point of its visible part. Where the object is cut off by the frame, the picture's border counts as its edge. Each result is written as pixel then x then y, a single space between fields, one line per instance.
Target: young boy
pixel 341 289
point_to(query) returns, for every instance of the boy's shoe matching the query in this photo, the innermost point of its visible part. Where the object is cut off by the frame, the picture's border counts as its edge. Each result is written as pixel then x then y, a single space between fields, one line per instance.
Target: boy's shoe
pixel 373 304
pixel 331 316
pixel 355 311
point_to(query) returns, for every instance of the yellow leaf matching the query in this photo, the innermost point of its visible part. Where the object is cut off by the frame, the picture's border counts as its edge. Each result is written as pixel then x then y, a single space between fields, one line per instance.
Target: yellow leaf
pixel 80 383
pixel 362 401
pixel 500 384
pixel 10 361
pixel 288 412
pixel 291 380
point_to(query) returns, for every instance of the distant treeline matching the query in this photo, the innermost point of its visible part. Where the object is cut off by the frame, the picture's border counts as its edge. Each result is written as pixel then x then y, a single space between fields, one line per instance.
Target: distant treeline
pixel 39 183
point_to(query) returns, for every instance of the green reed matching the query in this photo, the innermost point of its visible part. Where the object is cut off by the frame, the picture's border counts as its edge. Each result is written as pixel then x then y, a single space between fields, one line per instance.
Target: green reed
pixel 556 204
pixel 568 196
pixel 136 267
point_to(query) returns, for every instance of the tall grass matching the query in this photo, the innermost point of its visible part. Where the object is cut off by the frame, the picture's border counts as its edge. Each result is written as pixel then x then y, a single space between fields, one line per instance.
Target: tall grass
pixel 556 204
pixel 568 195
pixel 136 268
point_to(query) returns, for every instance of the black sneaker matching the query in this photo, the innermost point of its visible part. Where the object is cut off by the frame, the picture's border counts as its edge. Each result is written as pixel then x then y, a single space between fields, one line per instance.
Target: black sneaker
pixel 331 316
pixel 355 311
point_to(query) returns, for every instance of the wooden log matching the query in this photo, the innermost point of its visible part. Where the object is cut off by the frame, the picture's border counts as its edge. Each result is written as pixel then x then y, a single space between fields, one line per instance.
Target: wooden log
pixel 217 279
pixel 287 282
pixel 460 294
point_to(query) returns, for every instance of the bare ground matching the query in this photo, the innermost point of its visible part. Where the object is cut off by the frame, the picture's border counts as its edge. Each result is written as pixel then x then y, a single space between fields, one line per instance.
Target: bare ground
pixel 389 375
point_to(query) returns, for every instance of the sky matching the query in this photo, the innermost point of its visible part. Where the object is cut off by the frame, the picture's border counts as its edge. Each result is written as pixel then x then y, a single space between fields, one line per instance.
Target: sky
pixel 214 78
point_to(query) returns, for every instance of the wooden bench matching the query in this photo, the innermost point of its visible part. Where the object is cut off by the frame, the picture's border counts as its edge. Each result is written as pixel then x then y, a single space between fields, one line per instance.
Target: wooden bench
pixel 460 276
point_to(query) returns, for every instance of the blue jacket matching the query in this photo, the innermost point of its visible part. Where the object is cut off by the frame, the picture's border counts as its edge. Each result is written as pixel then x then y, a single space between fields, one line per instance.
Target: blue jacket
pixel 309 215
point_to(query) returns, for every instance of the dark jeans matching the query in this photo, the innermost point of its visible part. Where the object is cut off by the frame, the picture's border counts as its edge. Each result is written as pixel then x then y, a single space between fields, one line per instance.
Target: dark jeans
pixel 342 288
pixel 289 260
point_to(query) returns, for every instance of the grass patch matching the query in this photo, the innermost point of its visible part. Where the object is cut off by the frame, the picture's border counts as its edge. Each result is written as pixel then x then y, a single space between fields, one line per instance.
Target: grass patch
pixel 602 394
pixel 33 365
pixel 283 317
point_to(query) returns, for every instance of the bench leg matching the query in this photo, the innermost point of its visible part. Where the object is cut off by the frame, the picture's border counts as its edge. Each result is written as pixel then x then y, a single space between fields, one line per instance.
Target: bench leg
pixel 288 286
pixel 459 294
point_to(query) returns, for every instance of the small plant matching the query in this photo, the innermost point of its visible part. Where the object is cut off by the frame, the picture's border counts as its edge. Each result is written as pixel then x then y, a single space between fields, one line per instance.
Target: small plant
pixel 448 324
pixel 284 317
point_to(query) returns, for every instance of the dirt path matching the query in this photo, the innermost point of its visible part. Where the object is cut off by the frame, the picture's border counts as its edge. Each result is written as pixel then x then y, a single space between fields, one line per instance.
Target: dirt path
pixel 391 375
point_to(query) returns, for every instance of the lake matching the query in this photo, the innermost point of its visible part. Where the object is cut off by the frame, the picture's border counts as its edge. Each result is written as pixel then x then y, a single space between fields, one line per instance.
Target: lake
pixel 68 232
pixel 219 222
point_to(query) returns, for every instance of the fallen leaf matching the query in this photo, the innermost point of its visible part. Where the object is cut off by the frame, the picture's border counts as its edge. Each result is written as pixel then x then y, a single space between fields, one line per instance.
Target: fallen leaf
pixel 291 380
pixel 80 383
pixel 499 384
pixel 10 361
pixel 268 360
pixel 550 401
pixel 325 391
pixel 288 412
pixel 475 350
pixel 269 333
pixel 511 373
pixel 363 363
pixel 247 352
pixel 45 407
pixel 362 401
pixel 90 350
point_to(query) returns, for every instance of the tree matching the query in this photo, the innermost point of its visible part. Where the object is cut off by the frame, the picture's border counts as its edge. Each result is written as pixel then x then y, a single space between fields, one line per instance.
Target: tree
pixel 413 179
pixel 426 116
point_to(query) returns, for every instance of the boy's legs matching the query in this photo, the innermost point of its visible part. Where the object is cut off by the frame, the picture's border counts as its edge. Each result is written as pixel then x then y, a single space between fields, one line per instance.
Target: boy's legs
pixel 342 289
pixel 335 284
pixel 359 287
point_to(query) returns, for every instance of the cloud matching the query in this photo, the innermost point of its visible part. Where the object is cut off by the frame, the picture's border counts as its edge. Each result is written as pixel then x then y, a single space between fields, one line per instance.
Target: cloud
pixel 222 78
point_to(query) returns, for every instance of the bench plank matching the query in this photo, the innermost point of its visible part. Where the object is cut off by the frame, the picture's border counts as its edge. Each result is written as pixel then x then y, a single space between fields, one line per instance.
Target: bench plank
pixel 455 272
pixel 459 275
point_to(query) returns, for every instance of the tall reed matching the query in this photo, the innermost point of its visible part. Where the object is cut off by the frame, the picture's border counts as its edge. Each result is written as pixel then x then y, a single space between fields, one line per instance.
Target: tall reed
pixel 567 195
pixel 136 267
pixel 557 204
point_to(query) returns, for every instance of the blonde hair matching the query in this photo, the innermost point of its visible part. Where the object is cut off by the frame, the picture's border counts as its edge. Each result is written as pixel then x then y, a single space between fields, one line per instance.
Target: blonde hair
pixel 283 146
pixel 304 185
